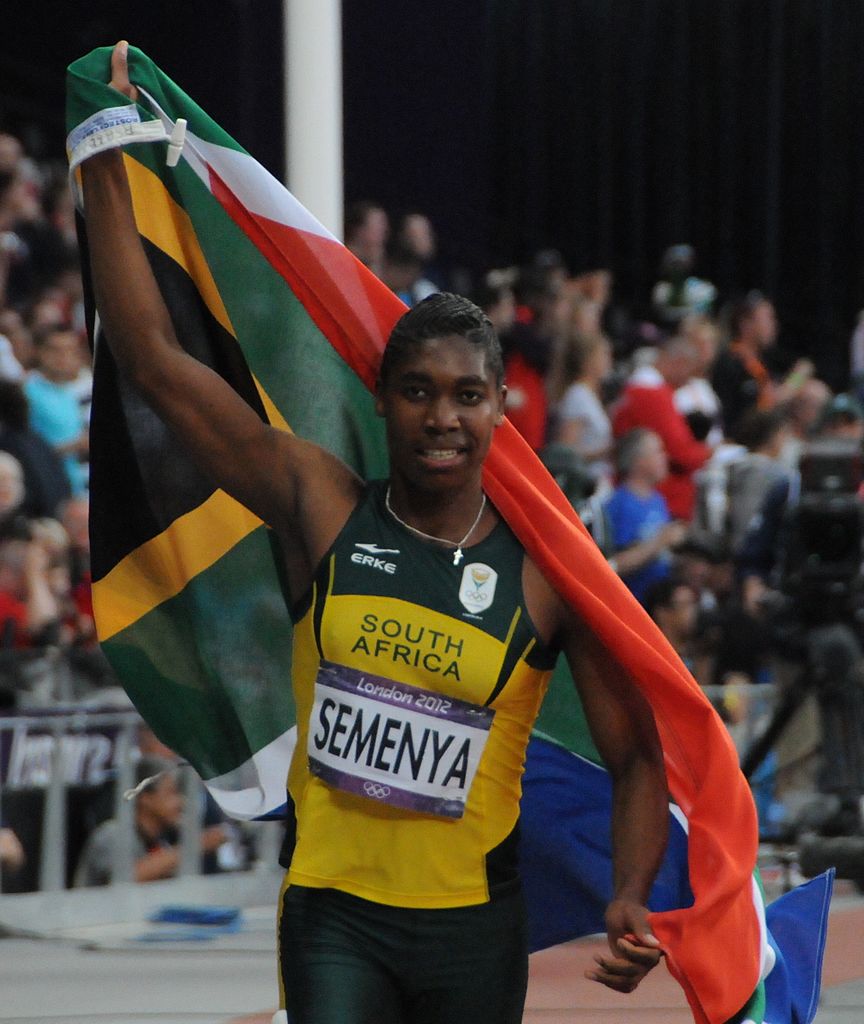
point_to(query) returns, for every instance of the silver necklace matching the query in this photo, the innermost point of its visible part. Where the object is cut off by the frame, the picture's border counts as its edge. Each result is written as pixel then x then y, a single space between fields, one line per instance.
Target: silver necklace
pixel 457 554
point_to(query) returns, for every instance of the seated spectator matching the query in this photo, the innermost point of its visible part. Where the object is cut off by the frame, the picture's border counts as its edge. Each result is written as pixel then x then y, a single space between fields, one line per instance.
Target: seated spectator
pixel 222 847
pixel 55 401
pixel 648 401
pixel 12 523
pixel 74 515
pixel 580 419
pixel 672 604
pixel 29 612
pixel 158 811
pixel 643 532
pixel 731 492
pixel 45 482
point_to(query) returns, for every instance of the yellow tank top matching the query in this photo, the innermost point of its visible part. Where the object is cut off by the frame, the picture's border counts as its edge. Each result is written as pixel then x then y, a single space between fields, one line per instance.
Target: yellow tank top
pixel 387 603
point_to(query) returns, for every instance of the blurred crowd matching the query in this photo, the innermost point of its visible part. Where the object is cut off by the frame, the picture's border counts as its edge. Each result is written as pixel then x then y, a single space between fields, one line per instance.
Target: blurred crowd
pixel 45 392
pixel 682 432
pixel 674 422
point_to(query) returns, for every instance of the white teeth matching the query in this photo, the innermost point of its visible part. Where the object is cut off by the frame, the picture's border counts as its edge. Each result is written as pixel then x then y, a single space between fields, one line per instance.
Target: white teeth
pixel 440 453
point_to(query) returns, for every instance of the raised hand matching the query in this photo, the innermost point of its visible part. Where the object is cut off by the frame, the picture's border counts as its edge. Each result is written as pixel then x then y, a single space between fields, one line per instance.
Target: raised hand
pixel 120 71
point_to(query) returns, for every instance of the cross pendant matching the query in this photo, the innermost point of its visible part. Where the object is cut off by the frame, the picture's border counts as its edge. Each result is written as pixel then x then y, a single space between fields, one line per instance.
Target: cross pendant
pixel 457 556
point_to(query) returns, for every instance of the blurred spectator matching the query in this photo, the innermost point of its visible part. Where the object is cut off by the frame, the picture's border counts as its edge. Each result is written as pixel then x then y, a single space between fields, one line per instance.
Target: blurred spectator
pixel 13 525
pixel 741 378
pixel 29 613
pixel 158 812
pixel 763 544
pixel 731 492
pixel 32 251
pixel 696 396
pixel 495 297
pixel 10 368
pixel 643 532
pixel 527 349
pixel 580 419
pixel 416 233
pixel 401 271
pixel 842 417
pixel 53 391
pixel 19 336
pixel 805 411
pixel 45 482
pixel 648 401
pixel 678 293
pixel 222 841
pixel 367 228
pixel 12 855
pixel 672 604
pixel 74 515
pixel 527 357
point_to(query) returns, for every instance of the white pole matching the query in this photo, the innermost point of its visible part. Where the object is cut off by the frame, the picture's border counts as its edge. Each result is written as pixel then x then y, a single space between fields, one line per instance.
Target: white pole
pixel 313 107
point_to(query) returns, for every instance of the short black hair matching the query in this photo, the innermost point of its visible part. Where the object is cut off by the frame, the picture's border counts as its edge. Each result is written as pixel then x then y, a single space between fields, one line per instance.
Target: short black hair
pixel 758 426
pixel 439 316
pixel 661 593
pixel 743 309
pixel 152 770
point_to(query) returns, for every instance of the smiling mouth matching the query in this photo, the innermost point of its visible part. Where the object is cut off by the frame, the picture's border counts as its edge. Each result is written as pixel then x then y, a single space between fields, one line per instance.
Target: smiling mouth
pixel 441 454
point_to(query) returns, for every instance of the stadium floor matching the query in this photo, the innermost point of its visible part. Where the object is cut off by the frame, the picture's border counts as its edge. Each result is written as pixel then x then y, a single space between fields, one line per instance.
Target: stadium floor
pixel 135 974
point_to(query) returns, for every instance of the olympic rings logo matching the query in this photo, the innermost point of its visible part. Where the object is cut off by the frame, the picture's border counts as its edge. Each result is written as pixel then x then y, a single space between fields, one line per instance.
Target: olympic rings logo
pixel 376 790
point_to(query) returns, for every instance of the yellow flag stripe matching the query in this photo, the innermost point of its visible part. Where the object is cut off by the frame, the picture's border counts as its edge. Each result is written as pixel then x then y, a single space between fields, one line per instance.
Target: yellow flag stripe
pixel 161 221
pixel 163 566
pixel 167 225
pixel 160 568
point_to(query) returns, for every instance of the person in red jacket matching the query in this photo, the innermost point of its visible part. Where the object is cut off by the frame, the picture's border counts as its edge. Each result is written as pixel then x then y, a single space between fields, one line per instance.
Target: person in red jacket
pixel 648 401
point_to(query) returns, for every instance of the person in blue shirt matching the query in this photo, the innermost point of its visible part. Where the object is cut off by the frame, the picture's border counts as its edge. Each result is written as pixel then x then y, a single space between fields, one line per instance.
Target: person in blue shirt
pixel 643 531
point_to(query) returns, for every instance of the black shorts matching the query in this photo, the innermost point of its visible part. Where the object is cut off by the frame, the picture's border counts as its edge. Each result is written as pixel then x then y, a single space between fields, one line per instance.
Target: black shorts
pixel 346 960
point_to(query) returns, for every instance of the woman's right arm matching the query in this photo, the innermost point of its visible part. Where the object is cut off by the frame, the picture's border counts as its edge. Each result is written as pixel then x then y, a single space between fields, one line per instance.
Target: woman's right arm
pixel 293 485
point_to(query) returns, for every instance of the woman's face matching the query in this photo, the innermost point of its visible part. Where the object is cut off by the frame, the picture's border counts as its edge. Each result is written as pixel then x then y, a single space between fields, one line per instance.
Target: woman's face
pixel 442 406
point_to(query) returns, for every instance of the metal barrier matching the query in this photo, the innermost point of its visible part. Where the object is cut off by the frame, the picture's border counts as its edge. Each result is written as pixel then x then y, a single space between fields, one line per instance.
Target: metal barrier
pixel 53 749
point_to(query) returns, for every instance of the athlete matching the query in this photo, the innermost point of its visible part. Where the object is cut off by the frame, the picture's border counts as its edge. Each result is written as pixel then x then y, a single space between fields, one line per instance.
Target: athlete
pixel 424 638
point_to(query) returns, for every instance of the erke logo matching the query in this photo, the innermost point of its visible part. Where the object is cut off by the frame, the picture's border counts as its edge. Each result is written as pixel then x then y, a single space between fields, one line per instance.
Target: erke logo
pixel 368 556
pixel 477 589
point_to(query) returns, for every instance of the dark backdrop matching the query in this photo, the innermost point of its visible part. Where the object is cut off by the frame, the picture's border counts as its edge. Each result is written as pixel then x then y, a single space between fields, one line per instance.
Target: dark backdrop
pixel 620 128
pixel 606 128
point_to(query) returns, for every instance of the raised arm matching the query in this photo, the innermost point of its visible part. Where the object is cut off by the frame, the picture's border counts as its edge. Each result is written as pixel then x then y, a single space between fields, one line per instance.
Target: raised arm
pixel 295 486
pixel 623 729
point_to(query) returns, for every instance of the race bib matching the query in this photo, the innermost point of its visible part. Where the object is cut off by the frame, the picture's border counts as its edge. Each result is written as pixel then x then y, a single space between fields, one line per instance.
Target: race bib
pixel 397 744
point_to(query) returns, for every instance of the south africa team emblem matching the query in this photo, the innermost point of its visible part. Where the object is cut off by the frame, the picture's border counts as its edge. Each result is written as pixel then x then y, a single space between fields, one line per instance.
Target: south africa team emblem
pixel 478 586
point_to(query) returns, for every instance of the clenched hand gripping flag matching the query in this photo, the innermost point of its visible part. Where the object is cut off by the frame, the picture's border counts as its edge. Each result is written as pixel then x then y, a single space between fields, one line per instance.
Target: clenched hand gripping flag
pixel 191 611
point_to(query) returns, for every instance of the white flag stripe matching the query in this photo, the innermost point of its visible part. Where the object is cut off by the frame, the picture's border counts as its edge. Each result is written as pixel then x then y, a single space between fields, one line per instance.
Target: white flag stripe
pixel 257 787
pixel 258 190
